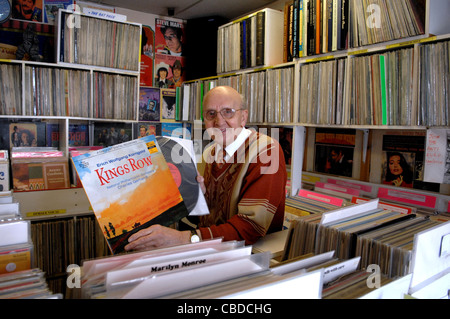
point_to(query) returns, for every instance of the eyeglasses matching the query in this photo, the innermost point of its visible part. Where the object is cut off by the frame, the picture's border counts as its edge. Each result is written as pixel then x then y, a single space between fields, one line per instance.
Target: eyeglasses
pixel 227 113
pixel 170 37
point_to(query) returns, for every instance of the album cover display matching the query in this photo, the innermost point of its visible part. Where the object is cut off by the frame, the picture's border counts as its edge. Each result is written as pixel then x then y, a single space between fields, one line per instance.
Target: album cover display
pixel 130 187
pixel 183 170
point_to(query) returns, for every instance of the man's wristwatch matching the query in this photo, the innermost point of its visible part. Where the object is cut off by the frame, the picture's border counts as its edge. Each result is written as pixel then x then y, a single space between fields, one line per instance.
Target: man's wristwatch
pixel 194 236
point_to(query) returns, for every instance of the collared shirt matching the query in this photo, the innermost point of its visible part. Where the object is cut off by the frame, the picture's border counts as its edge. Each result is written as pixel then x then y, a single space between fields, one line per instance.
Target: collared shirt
pixel 240 139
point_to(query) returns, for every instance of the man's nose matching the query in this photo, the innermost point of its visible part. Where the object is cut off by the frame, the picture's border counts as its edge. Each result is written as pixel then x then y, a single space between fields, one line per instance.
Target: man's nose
pixel 219 119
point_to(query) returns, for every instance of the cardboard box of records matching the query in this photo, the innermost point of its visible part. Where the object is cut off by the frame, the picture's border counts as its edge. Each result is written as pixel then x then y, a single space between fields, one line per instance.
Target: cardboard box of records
pixel 40 168
pixel 16 248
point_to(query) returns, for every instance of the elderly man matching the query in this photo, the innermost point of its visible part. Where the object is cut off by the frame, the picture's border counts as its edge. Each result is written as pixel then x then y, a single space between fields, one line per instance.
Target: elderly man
pixel 244 180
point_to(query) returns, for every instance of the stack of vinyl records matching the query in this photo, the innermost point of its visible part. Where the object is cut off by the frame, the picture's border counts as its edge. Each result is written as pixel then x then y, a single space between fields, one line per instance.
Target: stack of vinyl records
pixel 382 90
pixel 379 236
pixel 26 284
pixel 352 286
pixel 309 205
pixel 396 20
pixel 434 86
pixel 342 234
pixel 16 247
pixel 391 247
pixel 10 86
pixel 18 278
pixel 303 229
pixel 208 269
pixel 56 92
pixel 58 244
pixel 253 87
pixel 165 271
pixel 322 103
pixel 279 98
pixel 113 42
pixel 343 278
pixel 302 236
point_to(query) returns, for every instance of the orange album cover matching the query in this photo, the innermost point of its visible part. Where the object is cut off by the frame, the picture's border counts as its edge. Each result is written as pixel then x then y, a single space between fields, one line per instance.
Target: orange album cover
pixel 130 187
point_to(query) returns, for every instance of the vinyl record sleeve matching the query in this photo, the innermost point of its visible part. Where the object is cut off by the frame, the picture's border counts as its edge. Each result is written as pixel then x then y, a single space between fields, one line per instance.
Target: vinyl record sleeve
pixel 15 258
pixel 130 187
pixel 179 155
pixel 183 170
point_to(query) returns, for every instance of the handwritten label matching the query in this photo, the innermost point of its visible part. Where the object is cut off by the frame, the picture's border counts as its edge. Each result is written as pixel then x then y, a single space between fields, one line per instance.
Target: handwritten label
pixel 435 155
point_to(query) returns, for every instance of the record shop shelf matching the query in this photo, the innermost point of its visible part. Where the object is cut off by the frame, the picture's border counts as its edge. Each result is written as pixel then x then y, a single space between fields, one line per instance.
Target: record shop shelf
pixel 53 203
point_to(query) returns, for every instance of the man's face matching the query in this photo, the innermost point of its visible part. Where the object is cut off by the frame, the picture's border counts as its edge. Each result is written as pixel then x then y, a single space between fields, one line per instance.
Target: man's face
pixel 172 41
pixel 176 73
pixel 27 5
pixel 334 156
pixel 224 131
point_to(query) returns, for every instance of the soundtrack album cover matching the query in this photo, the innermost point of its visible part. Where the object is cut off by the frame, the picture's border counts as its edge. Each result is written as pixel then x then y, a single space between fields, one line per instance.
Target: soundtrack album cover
pixel 149 104
pixel 168 105
pixel 27 134
pixel 334 151
pixel 130 187
pixel 141 129
pixel 78 134
pixel 112 133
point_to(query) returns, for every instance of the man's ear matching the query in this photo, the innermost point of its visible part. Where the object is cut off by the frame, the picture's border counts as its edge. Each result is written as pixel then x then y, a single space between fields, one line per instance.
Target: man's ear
pixel 244 117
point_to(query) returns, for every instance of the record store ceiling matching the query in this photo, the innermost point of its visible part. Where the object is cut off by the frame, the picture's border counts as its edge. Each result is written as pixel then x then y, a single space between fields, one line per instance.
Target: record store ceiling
pixel 191 9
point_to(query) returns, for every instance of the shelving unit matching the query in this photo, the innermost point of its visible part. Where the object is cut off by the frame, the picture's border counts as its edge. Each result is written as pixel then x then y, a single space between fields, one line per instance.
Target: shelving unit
pixel 72 91
pixel 72 203
pixel 68 91
pixel 251 41
pixel 434 32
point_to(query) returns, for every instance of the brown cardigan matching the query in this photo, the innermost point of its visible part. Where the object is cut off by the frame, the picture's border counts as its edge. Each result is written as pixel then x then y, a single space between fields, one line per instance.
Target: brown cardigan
pixel 246 196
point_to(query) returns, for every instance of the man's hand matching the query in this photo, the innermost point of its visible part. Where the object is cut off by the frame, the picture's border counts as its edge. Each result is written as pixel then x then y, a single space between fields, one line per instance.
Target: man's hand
pixel 157 236
pixel 201 182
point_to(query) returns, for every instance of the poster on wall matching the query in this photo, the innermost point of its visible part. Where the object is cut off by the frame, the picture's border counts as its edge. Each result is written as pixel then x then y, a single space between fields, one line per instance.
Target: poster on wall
pixel 29 10
pixel 51 8
pixel 169 60
pixel 24 40
pixel 169 71
pixel 147 56
pixel 169 37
